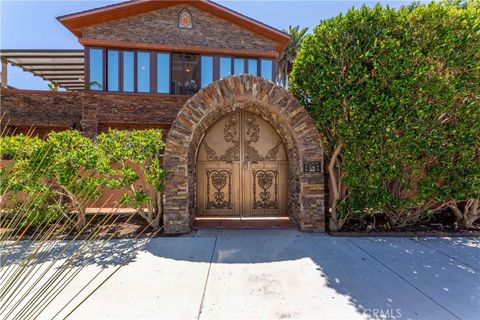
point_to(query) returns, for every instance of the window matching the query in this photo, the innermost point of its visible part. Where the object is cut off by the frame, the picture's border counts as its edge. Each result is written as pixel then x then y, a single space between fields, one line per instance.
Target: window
pixel 143 71
pixel 253 67
pixel 266 69
pixel 238 66
pixel 112 70
pixel 206 66
pixel 185 73
pixel 163 73
pixel 225 67
pixel 96 69
pixel 128 71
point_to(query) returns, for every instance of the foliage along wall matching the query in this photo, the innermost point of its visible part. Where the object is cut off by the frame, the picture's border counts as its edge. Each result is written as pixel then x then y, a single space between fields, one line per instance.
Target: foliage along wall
pixel 395 94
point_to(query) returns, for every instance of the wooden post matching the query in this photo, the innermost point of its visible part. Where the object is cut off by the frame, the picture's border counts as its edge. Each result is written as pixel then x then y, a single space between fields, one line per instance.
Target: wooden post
pixel 4 73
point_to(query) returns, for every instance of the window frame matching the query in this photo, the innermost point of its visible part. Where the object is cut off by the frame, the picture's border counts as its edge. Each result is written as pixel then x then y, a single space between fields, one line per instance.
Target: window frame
pixel 149 76
pixel 219 66
pixel 122 74
pixel 86 69
pixel 119 66
pixel 153 65
pixel 201 69
pixel 272 79
pixel 155 72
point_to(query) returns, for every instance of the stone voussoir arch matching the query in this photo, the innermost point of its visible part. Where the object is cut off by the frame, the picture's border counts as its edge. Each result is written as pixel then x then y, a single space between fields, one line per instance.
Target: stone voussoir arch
pixel 274 104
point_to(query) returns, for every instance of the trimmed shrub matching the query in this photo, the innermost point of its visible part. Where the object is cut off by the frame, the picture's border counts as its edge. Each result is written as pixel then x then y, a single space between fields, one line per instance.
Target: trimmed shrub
pixel 141 148
pixel 45 180
pixel 395 94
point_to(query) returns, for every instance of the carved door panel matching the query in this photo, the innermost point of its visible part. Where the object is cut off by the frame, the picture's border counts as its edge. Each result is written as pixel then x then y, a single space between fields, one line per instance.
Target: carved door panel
pixel 241 169
pixel 218 169
pixel 266 194
pixel 219 189
pixel 264 169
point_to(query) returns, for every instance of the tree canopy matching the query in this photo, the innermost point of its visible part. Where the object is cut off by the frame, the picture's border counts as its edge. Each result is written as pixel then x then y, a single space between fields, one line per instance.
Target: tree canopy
pixel 395 94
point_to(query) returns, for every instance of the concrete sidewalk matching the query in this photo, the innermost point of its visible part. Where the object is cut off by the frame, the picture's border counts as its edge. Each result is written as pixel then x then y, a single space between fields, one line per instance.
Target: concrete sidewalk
pixel 276 274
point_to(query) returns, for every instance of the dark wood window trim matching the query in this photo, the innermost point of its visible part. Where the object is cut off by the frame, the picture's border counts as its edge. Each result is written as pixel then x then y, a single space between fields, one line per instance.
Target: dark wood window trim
pixel 120 70
pixel 135 76
pixel 86 68
pixel 104 69
pixel 153 71
pixel 216 68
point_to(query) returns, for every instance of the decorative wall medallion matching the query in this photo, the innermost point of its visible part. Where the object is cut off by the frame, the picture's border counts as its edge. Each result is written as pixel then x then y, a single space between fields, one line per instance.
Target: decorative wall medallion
pixel 219 179
pixel 185 19
pixel 265 180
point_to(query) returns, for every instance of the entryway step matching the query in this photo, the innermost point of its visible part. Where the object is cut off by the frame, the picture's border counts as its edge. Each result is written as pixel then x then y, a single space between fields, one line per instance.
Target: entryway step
pixel 268 223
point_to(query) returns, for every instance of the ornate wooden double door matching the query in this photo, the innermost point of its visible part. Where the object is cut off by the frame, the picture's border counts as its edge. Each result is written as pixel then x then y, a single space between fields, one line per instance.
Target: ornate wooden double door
pixel 242 169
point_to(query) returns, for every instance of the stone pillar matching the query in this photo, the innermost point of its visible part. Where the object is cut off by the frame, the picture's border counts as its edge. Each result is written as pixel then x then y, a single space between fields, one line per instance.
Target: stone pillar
pixel 90 105
pixel 4 73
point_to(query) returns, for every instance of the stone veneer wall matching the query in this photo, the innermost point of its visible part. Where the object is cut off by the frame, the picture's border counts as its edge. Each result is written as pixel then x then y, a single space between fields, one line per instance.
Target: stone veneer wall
pixel 40 108
pixel 275 105
pixel 89 112
pixel 161 27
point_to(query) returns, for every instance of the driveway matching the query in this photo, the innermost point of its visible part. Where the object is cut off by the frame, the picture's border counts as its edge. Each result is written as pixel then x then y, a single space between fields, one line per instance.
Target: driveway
pixel 275 274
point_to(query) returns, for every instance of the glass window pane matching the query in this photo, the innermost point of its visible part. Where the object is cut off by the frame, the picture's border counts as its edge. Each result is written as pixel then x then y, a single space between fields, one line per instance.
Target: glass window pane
pixel 143 71
pixel 267 69
pixel 128 71
pixel 177 73
pixel 207 70
pixel 185 73
pixel 163 73
pixel 238 66
pixel 96 72
pixel 225 67
pixel 192 73
pixel 112 70
pixel 252 67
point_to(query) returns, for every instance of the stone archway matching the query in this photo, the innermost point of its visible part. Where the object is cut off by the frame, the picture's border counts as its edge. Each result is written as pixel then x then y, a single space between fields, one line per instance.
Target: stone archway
pixel 276 106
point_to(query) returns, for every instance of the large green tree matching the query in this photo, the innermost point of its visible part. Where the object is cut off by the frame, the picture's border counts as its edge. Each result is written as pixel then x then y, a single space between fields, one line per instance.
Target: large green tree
pixel 395 94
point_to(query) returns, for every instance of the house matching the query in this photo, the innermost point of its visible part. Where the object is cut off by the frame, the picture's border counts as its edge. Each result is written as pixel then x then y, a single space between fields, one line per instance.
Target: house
pixel 237 144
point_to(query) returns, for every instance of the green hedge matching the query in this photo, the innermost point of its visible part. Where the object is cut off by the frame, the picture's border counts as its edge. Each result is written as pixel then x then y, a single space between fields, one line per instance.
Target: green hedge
pixel 395 94
pixel 55 178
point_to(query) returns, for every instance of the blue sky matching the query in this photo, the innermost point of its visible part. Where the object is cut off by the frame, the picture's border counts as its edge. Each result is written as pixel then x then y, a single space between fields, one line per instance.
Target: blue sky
pixel 32 24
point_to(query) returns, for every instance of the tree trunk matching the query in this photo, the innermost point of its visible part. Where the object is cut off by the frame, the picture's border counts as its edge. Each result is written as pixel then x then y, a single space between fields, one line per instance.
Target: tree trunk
pixel 470 213
pixel 335 222
pixel 81 220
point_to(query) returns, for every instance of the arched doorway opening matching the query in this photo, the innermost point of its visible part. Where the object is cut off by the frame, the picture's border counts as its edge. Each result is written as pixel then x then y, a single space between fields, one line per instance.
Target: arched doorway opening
pixel 267 102
pixel 242 169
